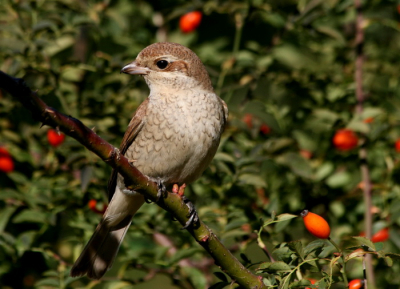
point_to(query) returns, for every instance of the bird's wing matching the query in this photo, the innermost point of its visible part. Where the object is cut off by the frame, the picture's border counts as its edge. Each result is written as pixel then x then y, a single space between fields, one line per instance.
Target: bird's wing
pixel 134 128
pixel 225 107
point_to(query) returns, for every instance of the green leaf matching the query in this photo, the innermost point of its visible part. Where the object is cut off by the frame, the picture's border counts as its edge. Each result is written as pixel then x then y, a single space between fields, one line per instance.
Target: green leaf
pixel 48 282
pixel 182 254
pixel 297 247
pixel 254 180
pixel 388 261
pixel 314 246
pixel 302 282
pixel 299 165
pixel 339 179
pixel 379 246
pixel 362 241
pixel 59 44
pixel 275 267
pixel 282 254
pixel 324 170
pixel 279 218
pixel 5 215
pixel 31 216
pixel 196 277
pixel 294 57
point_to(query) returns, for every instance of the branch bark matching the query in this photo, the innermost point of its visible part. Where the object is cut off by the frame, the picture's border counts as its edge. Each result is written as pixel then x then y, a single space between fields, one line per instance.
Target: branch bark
pixel 133 177
pixel 367 192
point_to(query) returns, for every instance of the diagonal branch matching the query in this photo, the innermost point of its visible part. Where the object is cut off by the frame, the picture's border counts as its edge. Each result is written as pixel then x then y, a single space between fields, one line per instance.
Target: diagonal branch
pixel 133 177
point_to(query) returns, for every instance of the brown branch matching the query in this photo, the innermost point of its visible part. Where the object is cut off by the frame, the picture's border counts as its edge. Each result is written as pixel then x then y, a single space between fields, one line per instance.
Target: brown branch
pixel 366 179
pixel 133 177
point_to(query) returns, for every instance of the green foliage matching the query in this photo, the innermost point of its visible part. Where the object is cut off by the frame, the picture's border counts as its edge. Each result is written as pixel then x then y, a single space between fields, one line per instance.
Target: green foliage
pixel 290 64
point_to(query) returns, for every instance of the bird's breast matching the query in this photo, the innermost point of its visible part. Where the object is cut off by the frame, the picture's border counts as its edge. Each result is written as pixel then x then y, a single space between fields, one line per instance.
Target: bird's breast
pixel 180 136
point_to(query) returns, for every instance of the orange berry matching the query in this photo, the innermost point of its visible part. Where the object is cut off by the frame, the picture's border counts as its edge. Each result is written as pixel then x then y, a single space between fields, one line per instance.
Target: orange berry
pixel 6 164
pixel 345 139
pixel 356 284
pixel 54 138
pixel 190 21
pixel 316 225
pixel 369 120
pixel 381 236
pixel 397 145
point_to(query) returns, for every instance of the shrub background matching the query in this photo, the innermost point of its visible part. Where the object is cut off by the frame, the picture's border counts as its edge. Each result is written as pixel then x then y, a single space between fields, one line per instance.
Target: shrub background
pixel 290 64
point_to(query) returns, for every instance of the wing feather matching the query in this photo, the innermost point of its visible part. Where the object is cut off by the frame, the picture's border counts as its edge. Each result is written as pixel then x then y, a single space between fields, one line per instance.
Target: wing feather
pixel 134 127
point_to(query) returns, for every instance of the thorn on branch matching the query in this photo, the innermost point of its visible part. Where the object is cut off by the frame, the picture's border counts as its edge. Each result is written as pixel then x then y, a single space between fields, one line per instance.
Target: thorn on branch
pixel 204 239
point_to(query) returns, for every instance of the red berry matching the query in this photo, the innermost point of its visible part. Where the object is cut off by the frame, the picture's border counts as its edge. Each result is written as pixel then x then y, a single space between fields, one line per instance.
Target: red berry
pixel 397 145
pixel 356 284
pixel 381 236
pixel 4 152
pixel 312 282
pixel 316 225
pixel 345 139
pixel 248 120
pixel 6 164
pixel 306 154
pixel 92 206
pixel 55 138
pixel 190 21
pixel 265 129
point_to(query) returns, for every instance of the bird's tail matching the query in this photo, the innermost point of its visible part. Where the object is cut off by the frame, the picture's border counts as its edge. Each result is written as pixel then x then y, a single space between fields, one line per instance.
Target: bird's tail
pixel 99 253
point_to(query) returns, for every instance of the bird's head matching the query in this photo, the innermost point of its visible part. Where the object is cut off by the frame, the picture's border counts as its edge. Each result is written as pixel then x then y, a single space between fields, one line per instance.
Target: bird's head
pixel 167 65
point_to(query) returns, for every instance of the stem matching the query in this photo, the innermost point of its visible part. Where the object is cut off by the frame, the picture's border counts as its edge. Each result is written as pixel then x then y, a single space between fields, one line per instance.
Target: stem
pixel 227 65
pixel 342 259
pixel 238 33
pixel 367 192
pixel 261 244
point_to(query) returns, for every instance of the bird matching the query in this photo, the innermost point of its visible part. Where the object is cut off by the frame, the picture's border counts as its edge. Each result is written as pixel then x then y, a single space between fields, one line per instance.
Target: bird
pixel 172 138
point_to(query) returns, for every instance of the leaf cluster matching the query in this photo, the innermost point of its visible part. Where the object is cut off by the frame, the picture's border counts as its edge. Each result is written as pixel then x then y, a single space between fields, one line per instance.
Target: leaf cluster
pixel 287 64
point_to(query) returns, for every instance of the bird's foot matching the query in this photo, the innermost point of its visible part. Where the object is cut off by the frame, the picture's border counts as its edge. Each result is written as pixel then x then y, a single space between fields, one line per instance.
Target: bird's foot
pixel 193 216
pixel 161 190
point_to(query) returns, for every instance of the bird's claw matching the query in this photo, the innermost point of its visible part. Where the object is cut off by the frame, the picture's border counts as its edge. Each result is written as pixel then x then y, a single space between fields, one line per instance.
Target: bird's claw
pixel 193 216
pixel 161 190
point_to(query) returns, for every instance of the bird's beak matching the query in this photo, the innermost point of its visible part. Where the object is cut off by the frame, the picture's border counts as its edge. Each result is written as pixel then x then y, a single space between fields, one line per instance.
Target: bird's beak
pixel 133 68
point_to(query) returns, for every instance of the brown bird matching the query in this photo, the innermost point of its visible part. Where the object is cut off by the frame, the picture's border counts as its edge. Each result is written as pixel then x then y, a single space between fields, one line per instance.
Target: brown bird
pixel 171 139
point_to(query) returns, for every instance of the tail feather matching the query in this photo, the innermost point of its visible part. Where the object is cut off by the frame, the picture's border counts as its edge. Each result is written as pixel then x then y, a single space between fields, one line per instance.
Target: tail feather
pixel 99 253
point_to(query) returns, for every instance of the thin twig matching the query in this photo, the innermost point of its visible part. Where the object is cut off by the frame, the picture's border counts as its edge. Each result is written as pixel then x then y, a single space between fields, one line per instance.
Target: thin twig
pixel 359 42
pixel 343 261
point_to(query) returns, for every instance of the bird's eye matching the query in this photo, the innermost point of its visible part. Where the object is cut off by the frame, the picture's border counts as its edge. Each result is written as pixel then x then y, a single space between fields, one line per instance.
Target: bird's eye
pixel 162 64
